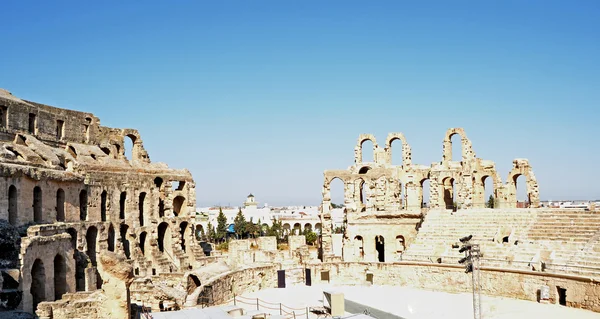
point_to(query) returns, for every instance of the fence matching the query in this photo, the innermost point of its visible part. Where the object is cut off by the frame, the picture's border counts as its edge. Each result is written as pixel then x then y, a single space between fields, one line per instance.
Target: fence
pixel 286 311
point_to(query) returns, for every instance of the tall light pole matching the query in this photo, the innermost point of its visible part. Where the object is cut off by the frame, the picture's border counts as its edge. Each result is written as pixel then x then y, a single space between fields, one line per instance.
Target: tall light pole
pixel 471 262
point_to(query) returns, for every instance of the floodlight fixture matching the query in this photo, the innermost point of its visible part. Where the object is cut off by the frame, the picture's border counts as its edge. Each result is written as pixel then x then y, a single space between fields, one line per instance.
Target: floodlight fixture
pixel 466 239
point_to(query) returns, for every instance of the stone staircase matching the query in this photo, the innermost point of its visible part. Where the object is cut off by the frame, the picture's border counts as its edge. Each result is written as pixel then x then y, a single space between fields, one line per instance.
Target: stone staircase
pixel 566 241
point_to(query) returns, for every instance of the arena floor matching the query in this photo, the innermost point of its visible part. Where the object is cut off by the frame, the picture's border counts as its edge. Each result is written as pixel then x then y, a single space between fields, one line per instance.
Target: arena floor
pixel 409 303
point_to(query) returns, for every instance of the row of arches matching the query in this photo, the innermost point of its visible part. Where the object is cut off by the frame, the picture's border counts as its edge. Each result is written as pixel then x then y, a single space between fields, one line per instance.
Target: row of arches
pixel 38 280
pixel 179 205
pixel 378 248
pixel 449 192
pixel 298 228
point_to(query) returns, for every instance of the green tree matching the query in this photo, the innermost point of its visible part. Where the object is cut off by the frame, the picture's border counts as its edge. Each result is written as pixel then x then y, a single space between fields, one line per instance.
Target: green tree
pixel 311 237
pixel 490 202
pixel 276 230
pixel 240 224
pixel 221 225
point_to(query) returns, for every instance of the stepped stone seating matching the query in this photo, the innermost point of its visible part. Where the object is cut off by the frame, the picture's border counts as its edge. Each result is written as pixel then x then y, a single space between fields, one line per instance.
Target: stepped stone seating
pixel 551 240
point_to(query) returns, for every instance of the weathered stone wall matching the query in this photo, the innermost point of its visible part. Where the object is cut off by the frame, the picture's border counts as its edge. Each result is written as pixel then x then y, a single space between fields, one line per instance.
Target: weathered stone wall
pixel 581 292
pixel 238 282
pixel 295 242
pixel 62 166
pixel 377 193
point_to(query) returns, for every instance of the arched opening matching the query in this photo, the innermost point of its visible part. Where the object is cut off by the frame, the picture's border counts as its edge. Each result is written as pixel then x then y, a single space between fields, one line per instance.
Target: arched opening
pixel 297 229
pixel 183 232
pixel 199 232
pixel 158 182
pixel 91 238
pixel 425 193
pixel 60 277
pixel 367 151
pixel 336 192
pixel 364 194
pixel 83 202
pixel 401 199
pixel 143 242
pixel 400 244
pixel 522 195
pixel 359 246
pixel 122 201
pixel 141 204
pixel 73 233
pixel 286 229
pixel 396 153
pixel 318 228
pixel 129 142
pixel 380 248
pixel 12 205
pixel 38 283
pixel 456 141
pixel 448 191
pixel 364 170
pixel 126 248
pixel 307 228
pixel 111 238
pixel 37 205
pixel 179 206
pixel 163 231
pixel 60 205
pixel 488 192
pixel 103 198
pixel 193 283
pixel 161 207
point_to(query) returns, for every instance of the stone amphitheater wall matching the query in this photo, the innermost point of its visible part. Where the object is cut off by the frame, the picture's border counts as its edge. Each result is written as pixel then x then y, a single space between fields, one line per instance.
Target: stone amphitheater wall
pixel 581 292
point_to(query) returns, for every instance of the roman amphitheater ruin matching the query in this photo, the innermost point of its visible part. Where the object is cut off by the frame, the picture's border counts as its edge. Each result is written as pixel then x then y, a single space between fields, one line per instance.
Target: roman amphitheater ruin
pixel 88 232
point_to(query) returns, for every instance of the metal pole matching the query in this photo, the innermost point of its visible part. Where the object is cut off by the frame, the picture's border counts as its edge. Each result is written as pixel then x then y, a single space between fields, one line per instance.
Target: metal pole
pixel 476 282
pixel 234 300
pixel 257 306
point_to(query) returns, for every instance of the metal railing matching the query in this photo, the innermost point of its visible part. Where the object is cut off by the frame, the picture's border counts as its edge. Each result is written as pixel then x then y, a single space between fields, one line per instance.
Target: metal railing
pixel 284 310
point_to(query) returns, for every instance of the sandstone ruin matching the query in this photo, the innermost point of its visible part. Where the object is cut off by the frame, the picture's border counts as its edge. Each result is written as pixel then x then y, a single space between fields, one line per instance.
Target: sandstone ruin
pixel 383 203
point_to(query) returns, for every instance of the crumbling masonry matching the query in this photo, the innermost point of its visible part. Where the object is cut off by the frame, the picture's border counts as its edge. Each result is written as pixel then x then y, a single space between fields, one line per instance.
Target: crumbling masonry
pixel 384 203
pixel 91 217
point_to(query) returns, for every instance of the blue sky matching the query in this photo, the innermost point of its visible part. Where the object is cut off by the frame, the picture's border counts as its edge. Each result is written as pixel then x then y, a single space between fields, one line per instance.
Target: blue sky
pixel 263 96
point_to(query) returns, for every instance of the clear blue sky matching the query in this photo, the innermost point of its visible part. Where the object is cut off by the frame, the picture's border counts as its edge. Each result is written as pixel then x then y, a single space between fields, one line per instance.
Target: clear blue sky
pixel 263 96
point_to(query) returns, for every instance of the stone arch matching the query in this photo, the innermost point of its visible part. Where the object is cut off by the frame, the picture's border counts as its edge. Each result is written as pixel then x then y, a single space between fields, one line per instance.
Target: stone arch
pixel 286 228
pixel 60 277
pixel 13 204
pixel 103 200
pixel 486 191
pixel 307 227
pixel 83 203
pixel 521 168
pixel 466 150
pixel 358 150
pixel 73 233
pixel 183 233
pixel 425 192
pixel 143 242
pixel 129 151
pixel 405 151
pixel 447 186
pixel 91 238
pixel 111 238
pixel 297 229
pixel 364 170
pixel 179 206
pixel 363 192
pixel 126 246
pixel 359 247
pixel 122 205
pixel 164 236
pixel 318 228
pixel 193 282
pixel 380 248
pixel 141 203
pixel 60 205
pixel 37 205
pixel 329 197
pixel 400 244
pixel 158 181
pixel 38 283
